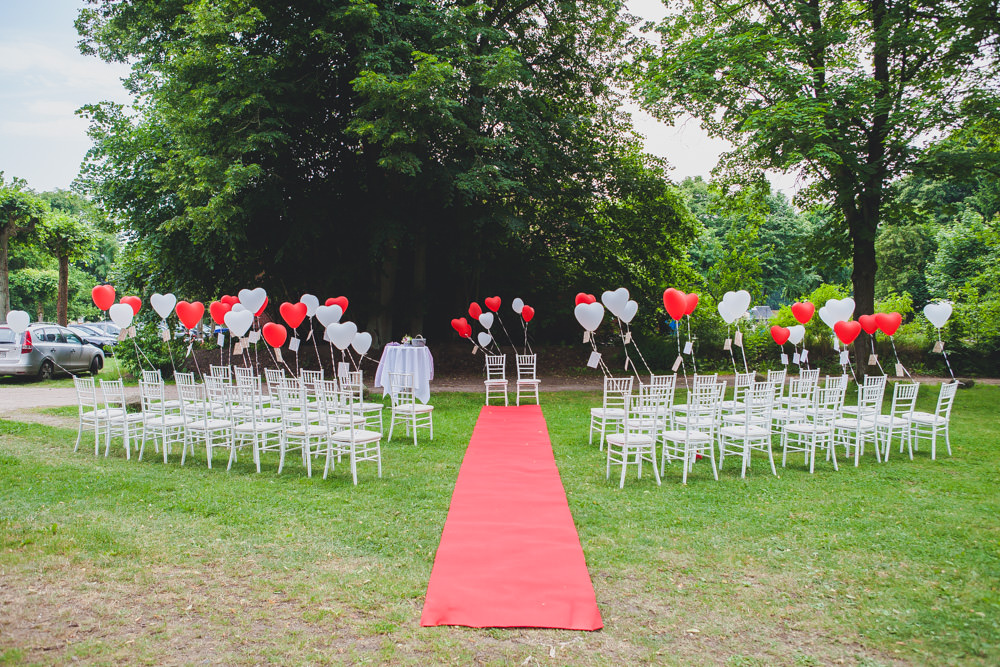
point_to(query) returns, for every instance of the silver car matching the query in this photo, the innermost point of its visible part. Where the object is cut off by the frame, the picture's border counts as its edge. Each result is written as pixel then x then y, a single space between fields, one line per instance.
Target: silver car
pixel 47 349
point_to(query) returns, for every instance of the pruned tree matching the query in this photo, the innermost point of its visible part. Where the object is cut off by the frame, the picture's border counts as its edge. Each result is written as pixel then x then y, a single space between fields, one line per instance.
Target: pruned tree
pixel 20 212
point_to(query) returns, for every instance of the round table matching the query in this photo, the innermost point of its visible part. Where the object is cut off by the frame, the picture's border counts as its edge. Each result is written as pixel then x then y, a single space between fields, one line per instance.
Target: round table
pixel 417 361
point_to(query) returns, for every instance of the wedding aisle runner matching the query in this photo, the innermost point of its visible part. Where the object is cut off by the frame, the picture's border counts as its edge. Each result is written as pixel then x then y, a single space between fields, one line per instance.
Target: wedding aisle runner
pixel 509 554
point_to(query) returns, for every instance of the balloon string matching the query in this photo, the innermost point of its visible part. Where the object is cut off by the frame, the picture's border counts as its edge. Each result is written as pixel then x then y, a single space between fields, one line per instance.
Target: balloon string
pixel 509 339
pixel 743 350
pixel 151 365
pixel 600 359
pixel 319 362
pixel 195 355
pixel 875 355
pixel 636 346
pixel 170 351
pixel 628 359
pixel 677 330
pixel 527 346
pixel 732 356
pixel 694 362
pixel 256 360
pixel 945 355
pixel 896 355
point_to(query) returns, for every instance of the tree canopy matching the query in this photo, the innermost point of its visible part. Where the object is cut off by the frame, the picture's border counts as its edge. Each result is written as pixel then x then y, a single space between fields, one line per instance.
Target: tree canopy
pixel 414 155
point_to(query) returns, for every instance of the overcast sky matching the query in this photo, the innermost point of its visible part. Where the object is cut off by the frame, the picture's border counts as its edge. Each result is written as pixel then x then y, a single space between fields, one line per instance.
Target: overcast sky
pixel 44 79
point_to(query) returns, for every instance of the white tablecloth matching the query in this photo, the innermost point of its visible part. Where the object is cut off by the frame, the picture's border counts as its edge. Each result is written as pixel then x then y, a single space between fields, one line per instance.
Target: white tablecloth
pixel 417 361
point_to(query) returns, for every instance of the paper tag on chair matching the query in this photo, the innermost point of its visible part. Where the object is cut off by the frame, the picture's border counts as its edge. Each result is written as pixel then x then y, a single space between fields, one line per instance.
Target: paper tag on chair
pixel 873 360
pixel 738 338
pixel 131 332
pixel 238 348
pixel 628 337
pixel 254 337
pixel 586 336
pixel 784 359
pixel 688 348
pixel 899 370
pixel 844 360
pixel 165 335
pixel 475 349
pixel 796 358
pixel 121 334
pixel 727 345
pixel 939 347
pixel 293 344
pixel 677 363
pixel 804 357
pixel 595 359
pixel 277 353
pixel 221 340
pixel 343 369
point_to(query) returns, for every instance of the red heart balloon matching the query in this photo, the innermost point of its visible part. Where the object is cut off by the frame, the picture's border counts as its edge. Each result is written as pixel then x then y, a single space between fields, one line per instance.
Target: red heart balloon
pixel 261 309
pixel 803 311
pixel 527 313
pixel 275 334
pixel 218 310
pixel 462 327
pixel 583 297
pixel 847 331
pixel 190 313
pixel 690 303
pixel 780 334
pixel 868 323
pixel 492 302
pixel 229 300
pixel 888 323
pixel 474 310
pixel 338 301
pixel 103 296
pixel 293 313
pixel 675 301
pixel 133 301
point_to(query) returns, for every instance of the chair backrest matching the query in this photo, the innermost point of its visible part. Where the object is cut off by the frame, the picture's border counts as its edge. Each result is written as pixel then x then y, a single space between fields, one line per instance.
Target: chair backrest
pixel 114 395
pixel 800 390
pixel 526 366
pixel 219 394
pixel 152 376
pixel 401 389
pixel 836 381
pixel 641 416
pixel 312 381
pixel 946 397
pixel 152 396
pixel 777 378
pixel 869 401
pixel 192 401
pixel 86 394
pixel 243 372
pixel 826 404
pixel 705 380
pixel 741 384
pixel 811 374
pixel 292 399
pixel 760 401
pixel 703 406
pixel 223 372
pixel 274 377
pixel 904 398
pixel 496 366
pixel 184 378
pixel 616 392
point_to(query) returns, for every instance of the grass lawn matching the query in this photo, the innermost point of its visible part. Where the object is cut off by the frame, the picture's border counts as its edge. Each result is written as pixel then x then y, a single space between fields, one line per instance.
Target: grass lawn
pixel 109 561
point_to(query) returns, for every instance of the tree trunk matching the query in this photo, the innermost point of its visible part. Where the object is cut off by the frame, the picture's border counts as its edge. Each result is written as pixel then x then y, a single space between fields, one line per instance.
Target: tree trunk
pixel 62 301
pixel 4 274
pixel 863 280
pixel 386 280
pixel 40 311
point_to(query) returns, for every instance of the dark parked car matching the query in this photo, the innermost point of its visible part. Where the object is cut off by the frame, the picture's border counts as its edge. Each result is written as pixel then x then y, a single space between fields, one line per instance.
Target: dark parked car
pixel 46 349
pixel 107 326
pixel 95 337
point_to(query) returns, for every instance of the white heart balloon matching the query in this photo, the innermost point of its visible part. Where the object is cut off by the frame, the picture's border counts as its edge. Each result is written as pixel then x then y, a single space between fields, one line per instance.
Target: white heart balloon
pixel 486 319
pixel 328 315
pixel 238 308
pixel 589 315
pixel 484 339
pixel 518 305
pixel 163 304
pixel 312 303
pixel 796 334
pixel 121 314
pixel 362 342
pixel 18 321
pixel 615 301
pixel 341 334
pixel 938 313
pixel 841 310
pixel 828 317
pixel 631 308
pixel 238 322
pixel 734 305
pixel 253 299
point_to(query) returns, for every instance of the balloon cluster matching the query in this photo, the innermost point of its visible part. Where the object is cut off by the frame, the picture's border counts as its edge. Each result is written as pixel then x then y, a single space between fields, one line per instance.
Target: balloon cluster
pixel 490 316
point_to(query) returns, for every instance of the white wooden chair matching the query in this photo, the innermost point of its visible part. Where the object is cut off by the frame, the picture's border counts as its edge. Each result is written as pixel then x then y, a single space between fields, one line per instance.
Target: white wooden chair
pixel 613 406
pixel 870 381
pixel 897 422
pixel 526 376
pixel 406 410
pixel 159 422
pixel 304 427
pixel 741 384
pixel 370 410
pixel 251 425
pixel 496 377
pixel 815 430
pixel 693 433
pixel 928 425
pixel 200 425
pixel 120 420
pixel 90 416
pixel 852 432
pixel 347 439
pixel 635 442
pixel 749 428
pixel 224 373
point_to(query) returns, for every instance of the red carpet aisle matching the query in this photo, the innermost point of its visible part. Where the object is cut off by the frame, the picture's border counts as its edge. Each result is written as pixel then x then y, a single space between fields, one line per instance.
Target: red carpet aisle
pixel 509 553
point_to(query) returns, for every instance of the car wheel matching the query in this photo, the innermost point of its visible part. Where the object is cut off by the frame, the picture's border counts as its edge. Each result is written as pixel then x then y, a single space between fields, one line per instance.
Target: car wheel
pixel 95 365
pixel 46 371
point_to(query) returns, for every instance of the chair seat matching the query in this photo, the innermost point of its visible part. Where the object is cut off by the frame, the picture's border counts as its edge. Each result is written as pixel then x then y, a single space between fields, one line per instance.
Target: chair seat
pixel 208 424
pixel 370 407
pixel 786 414
pixel 690 436
pixel 731 405
pixel 163 420
pixel 608 413
pixel 300 431
pixel 807 428
pixel 864 424
pixel 739 431
pixel 634 440
pixel 927 418
pixel 258 426
pixel 891 420
pixel 528 381
pixel 103 413
pixel 498 383
pixel 130 417
pixel 694 421
pixel 415 407
pixel 360 436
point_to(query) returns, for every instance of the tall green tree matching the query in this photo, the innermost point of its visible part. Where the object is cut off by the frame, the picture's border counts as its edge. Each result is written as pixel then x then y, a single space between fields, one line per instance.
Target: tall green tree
pixel 20 212
pixel 67 238
pixel 406 154
pixel 845 92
